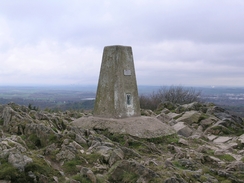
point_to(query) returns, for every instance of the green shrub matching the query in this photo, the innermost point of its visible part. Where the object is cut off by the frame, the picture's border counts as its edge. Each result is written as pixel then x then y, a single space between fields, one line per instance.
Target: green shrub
pixel 81 178
pixel 34 141
pixel 202 117
pixel 8 172
pixel 70 166
pixel 40 167
pixel 53 138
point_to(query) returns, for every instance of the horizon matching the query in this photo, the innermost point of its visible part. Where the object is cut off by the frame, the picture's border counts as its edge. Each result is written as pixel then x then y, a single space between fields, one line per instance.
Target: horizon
pixel 95 86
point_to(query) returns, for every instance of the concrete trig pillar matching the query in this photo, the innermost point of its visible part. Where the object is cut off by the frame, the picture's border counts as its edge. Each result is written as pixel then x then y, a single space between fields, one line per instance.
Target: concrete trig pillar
pixel 117 93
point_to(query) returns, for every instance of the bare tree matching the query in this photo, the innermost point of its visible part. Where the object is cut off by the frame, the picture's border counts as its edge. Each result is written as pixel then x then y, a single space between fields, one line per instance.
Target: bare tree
pixel 173 94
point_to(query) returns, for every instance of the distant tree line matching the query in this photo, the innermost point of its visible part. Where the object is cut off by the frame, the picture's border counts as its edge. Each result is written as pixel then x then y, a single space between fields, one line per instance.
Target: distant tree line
pixel 85 105
pixel 173 94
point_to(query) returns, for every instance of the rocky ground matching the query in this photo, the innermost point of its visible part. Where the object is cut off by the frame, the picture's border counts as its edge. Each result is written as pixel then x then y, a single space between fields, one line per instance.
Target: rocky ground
pixel 38 146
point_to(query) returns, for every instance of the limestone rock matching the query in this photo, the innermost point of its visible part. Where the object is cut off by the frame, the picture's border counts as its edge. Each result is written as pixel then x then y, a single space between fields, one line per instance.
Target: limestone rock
pixel 241 139
pixel 222 139
pixel 41 116
pixel 65 154
pixel 68 150
pixel 116 155
pixel 7 114
pixel 189 117
pixel 130 153
pixel 182 129
pixel 19 160
pixel 105 152
pixel 206 123
pixel 173 115
pixel 178 152
pixel 212 159
pixel 196 106
pixel 32 175
pixel 174 180
pixel 124 168
pixel 5 181
pixel 41 131
pixel 183 141
pixel 147 112
pixel 223 114
pixel 188 164
pixel 236 166
pixel 89 174
pixel 164 117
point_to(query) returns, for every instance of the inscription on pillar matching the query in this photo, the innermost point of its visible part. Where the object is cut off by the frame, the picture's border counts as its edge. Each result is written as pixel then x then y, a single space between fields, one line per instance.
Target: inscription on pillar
pixel 127 72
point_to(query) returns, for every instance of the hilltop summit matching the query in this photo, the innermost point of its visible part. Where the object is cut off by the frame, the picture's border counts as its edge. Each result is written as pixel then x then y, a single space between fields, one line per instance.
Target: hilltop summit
pixel 39 146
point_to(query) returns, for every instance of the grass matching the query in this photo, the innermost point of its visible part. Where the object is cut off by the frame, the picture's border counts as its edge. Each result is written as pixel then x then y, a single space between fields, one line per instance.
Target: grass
pixel 8 172
pixel 202 117
pixel 52 138
pixel 38 167
pixel 81 178
pixel 35 141
pixel 115 137
pixel 125 176
pixel 221 130
pixel 1 121
pixel 129 177
pixel 178 165
pixel 70 167
pixel 91 158
pixel 210 152
pixel 170 139
pixel 226 157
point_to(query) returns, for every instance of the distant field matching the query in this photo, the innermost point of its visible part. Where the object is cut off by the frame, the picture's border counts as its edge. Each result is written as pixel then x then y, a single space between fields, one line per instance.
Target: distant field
pixel 49 97
pixel 81 97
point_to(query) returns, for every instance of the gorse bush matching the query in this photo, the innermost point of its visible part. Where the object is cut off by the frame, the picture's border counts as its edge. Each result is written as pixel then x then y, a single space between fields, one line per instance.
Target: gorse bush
pixel 173 94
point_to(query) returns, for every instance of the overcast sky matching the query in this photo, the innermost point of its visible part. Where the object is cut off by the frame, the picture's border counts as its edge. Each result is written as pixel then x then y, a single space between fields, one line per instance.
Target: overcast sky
pixel 174 42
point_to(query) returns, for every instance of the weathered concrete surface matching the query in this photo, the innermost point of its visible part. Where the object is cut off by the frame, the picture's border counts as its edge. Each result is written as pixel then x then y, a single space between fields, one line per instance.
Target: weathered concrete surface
pixel 143 126
pixel 117 93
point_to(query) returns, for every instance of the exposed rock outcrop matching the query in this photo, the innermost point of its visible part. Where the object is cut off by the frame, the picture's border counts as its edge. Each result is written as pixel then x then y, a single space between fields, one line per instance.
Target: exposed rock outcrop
pixel 189 143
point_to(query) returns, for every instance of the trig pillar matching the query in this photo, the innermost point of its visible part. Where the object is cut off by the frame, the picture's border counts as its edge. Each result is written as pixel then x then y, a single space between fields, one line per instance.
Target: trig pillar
pixel 117 93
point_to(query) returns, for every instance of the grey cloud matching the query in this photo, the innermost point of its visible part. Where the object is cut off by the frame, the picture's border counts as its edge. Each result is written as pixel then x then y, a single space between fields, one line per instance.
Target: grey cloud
pixel 174 42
